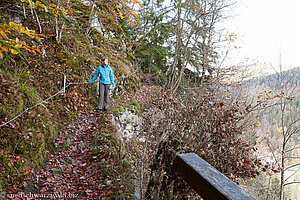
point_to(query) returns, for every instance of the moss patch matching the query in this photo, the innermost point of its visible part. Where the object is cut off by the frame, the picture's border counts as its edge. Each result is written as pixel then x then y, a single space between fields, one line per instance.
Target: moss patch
pixel 116 169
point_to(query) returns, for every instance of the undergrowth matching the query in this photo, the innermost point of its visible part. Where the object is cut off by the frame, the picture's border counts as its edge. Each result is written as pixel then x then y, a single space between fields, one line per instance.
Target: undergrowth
pixel 29 78
pixel 111 157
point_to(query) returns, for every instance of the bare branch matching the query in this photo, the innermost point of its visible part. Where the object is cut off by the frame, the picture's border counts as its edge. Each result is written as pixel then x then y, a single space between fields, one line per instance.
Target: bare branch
pixel 268 143
pixel 292 174
pixel 292 157
pixel 294 182
pixel 292 132
pixel 291 166
pixel 294 148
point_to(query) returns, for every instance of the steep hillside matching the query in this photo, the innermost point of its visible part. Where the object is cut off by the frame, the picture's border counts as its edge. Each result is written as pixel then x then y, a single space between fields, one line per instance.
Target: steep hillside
pixel 130 149
pixel 271 84
pixel 33 71
pixel 278 130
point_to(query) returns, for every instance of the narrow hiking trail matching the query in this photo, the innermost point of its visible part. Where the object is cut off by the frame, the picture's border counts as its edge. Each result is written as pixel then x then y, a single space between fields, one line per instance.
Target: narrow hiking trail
pixel 73 173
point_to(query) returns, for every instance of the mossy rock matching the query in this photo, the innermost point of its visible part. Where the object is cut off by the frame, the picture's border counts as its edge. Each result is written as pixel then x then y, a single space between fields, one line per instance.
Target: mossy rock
pixel 118 109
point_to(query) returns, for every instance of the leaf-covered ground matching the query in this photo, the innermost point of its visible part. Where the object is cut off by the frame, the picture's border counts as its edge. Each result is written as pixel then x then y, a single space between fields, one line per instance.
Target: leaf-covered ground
pixel 74 171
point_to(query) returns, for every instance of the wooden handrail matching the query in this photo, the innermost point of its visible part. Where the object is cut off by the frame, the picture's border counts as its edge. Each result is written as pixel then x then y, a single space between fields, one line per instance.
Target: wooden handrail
pixel 208 182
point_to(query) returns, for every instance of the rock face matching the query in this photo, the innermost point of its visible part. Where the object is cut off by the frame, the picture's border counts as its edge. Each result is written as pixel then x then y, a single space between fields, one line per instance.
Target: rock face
pixel 94 20
pixel 96 24
pixel 128 123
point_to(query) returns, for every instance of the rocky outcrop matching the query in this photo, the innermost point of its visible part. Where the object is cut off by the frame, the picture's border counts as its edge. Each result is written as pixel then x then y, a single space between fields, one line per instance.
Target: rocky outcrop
pixel 128 123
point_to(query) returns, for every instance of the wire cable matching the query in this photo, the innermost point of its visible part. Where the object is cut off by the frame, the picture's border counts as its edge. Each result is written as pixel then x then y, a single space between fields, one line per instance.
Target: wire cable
pixel 27 109
pixel 30 108
pixel 59 92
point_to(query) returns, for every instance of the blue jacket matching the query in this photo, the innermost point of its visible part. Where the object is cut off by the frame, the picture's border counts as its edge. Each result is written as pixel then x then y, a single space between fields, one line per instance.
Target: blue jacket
pixel 106 75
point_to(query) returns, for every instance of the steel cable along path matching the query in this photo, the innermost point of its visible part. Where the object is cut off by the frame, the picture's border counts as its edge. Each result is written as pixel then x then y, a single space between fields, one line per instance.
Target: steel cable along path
pixel 66 85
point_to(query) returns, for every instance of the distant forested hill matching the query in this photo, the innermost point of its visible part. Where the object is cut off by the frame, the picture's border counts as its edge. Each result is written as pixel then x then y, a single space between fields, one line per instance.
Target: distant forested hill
pixel 270 84
pixel 291 77
pixel 277 124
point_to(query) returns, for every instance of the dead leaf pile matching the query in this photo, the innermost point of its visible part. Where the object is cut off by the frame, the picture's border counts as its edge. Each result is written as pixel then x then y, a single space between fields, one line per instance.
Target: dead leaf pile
pixel 72 173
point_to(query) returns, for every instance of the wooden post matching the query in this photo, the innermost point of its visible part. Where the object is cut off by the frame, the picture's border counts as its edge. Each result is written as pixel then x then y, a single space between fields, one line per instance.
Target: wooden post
pixel 208 182
pixel 65 82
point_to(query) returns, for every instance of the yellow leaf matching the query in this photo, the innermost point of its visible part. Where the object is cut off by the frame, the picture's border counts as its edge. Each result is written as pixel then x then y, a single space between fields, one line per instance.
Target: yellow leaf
pixel 3 33
pixel 38 50
pixel 13 51
pixel 258 125
pixel 5 29
pixel 1 53
pixel 29 49
pixel 5 48
pixel 12 24
pixel 26 32
pixel 18 45
pixel 260 96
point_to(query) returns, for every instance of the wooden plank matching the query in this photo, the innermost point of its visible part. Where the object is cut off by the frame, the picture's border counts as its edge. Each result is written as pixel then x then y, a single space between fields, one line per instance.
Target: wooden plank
pixel 208 182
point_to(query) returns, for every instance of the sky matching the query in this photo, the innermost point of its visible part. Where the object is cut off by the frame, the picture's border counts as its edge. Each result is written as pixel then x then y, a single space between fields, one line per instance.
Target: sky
pixel 263 28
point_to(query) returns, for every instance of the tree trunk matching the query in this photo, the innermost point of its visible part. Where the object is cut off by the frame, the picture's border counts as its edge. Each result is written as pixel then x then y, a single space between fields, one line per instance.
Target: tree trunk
pixel 173 74
pixel 161 182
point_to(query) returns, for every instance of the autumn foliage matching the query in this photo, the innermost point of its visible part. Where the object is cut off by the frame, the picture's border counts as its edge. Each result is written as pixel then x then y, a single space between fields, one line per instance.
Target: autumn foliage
pixel 52 8
pixel 122 11
pixel 197 122
pixel 12 35
pixel 10 42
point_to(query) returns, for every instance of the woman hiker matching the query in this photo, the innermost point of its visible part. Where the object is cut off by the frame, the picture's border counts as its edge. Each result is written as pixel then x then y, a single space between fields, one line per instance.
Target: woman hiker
pixel 106 79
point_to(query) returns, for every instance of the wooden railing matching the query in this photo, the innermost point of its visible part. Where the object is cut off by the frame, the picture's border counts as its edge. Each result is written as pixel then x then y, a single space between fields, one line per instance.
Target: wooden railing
pixel 208 182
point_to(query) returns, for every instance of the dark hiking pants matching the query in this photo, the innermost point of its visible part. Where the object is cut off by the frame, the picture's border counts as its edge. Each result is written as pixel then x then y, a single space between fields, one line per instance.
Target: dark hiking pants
pixel 103 96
